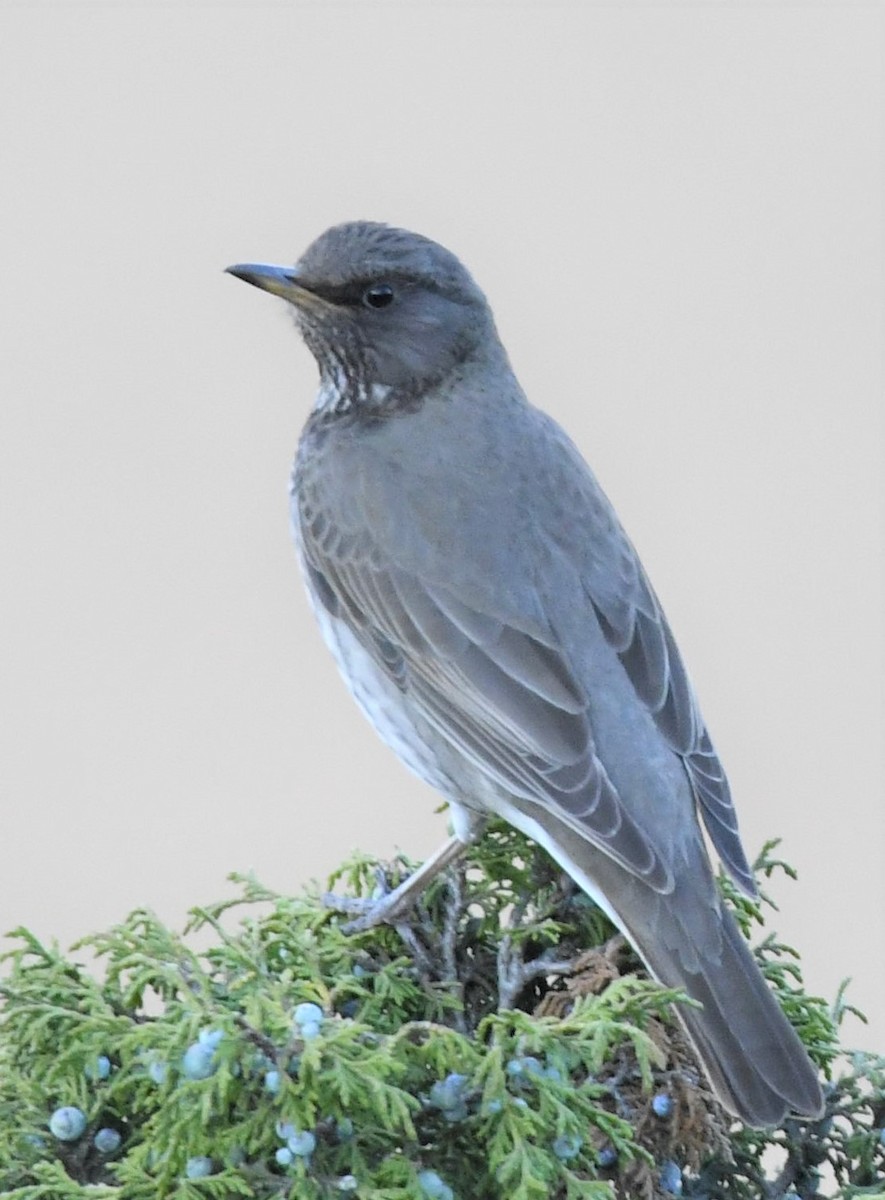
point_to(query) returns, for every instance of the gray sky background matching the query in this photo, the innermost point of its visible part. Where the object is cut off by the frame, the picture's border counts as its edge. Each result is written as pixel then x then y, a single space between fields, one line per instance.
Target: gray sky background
pixel 675 210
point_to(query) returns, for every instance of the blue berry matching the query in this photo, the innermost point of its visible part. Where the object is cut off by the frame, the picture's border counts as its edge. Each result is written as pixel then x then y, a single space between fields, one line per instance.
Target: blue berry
pixel 448 1093
pixel 158 1072
pixel 310 1029
pixel 302 1143
pixel 493 1107
pixel 107 1141
pixel 210 1037
pixel 606 1157
pixel 283 1156
pixel 433 1187
pixel 198 1167
pixel 524 1068
pixel 567 1146
pixel 306 1014
pixel 671 1178
pixel 272 1082
pixel 67 1124
pixel 662 1105
pixel 198 1061
pixel 359 971
pixel 349 1009
pixel 284 1130
pixel 344 1129
pixel 100 1069
pixel 346 1183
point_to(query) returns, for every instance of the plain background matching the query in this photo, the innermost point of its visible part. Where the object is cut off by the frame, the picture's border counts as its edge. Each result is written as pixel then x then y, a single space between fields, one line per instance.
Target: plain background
pixel 675 210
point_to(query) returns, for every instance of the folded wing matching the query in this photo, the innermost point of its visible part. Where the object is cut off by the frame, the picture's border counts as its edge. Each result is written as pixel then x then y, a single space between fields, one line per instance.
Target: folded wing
pixel 506 699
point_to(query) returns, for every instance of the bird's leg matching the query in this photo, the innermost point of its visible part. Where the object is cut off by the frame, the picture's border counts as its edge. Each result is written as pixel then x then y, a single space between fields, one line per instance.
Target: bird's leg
pixel 392 907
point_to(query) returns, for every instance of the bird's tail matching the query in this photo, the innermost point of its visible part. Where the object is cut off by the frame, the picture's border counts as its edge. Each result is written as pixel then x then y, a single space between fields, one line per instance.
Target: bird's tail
pixel 753 1057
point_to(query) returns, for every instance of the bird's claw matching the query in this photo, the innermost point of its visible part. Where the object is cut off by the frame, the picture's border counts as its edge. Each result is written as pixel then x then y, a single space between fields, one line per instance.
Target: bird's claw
pixel 384 909
pixel 345 904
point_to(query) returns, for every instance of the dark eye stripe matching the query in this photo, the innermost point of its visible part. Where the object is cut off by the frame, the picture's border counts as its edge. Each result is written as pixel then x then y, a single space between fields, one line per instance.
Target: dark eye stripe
pixel 352 292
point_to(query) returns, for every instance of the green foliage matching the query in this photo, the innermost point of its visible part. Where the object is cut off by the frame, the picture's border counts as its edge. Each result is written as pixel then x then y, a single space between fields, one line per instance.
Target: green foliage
pixel 418 1082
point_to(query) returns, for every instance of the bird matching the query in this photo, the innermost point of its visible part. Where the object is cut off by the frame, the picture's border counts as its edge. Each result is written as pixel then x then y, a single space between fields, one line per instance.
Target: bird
pixel 494 623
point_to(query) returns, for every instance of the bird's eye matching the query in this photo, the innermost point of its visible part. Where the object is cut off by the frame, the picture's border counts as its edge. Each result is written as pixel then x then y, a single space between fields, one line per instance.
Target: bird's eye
pixel 379 295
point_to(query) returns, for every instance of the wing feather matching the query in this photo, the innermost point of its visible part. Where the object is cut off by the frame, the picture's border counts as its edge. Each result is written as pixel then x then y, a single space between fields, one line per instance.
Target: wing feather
pixel 635 627
pixel 505 699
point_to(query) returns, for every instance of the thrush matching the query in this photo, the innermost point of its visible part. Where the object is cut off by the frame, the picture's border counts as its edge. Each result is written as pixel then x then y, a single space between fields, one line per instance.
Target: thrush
pixel 494 623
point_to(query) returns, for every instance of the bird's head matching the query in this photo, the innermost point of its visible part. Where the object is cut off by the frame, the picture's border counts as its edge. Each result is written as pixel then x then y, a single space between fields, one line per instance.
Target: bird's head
pixel 387 314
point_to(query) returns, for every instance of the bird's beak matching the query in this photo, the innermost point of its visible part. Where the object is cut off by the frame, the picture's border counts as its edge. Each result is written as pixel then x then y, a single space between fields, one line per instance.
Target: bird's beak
pixel 280 281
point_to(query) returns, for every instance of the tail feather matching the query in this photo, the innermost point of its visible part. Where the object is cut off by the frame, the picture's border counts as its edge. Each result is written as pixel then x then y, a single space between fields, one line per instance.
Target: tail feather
pixel 753 1057
pixel 751 1053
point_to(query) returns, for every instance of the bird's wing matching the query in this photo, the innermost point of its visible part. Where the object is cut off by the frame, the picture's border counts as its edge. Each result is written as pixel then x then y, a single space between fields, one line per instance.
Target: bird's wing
pixel 506 699
pixel 634 625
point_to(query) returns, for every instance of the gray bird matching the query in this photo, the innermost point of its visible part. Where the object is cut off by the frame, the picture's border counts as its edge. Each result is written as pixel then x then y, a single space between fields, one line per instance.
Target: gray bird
pixel 494 623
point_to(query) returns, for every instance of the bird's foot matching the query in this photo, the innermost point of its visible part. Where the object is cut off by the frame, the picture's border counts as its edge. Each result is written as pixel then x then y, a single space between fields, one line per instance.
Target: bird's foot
pixel 390 907
pixel 386 907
